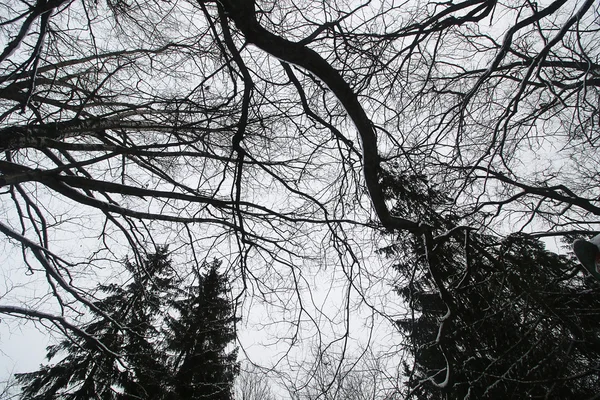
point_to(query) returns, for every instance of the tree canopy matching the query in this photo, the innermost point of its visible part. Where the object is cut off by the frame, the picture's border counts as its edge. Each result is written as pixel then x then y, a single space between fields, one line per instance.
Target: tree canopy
pixel 293 139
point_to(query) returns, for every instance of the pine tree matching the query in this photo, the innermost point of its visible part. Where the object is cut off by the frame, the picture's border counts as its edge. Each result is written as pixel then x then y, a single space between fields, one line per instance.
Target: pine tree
pixel 524 323
pixel 204 369
pixel 89 371
pixel 169 343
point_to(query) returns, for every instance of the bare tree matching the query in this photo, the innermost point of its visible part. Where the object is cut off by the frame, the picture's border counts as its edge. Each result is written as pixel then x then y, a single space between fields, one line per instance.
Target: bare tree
pixel 252 384
pixel 9 389
pixel 272 133
pixel 329 376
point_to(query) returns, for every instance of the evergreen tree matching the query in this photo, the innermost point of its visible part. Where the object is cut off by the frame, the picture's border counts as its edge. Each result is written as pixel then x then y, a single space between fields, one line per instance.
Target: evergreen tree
pixel 203 367
pixel 149 354
pixel 522 322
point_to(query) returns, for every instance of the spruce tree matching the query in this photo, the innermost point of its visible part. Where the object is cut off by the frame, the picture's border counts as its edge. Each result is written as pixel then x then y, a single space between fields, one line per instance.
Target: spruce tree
pixel 200 337
pixel 524 321
pixel 169 342
pixel 131 368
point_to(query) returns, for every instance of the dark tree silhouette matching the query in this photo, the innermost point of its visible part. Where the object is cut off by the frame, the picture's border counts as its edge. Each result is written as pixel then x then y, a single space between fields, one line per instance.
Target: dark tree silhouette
pixel 201 336
pixel 512 320
pixel 161 342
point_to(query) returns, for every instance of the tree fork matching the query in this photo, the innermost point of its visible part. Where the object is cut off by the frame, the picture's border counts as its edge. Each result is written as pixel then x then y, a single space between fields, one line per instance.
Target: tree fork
pixel 243 14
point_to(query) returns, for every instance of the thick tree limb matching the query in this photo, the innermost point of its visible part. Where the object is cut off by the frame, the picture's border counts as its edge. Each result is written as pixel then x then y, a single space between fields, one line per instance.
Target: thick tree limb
pixel 243 13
